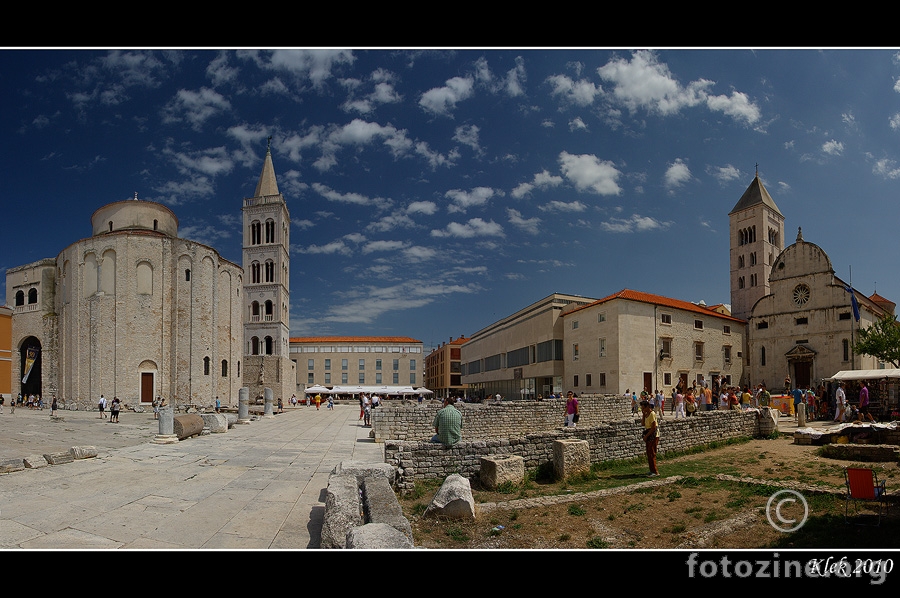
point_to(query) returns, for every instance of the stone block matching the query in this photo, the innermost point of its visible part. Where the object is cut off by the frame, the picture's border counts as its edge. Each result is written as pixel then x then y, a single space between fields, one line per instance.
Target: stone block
pixel 59 458
pixel 83 452
pixel 380 505
pixel 343 510
pixel 377 536
pixel 10 465
pixel 35 461
pixel 570 457
pixel 453 500
pixel 497 470
pixel 216 422
pixel 185 426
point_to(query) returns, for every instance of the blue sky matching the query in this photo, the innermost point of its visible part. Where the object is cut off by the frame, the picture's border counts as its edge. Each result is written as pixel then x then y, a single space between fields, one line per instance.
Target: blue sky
pixel 434 191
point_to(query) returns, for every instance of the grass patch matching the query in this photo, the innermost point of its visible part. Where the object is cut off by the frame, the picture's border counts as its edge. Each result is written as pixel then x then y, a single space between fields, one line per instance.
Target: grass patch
pixel 597 543
pixel 576 510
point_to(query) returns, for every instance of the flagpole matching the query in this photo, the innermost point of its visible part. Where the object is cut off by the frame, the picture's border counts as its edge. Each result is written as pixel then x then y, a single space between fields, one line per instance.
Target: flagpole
pixel 852 327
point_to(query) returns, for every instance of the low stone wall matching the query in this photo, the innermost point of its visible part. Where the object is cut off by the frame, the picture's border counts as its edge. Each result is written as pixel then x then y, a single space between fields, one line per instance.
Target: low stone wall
pixel 410 421
pixel 618 440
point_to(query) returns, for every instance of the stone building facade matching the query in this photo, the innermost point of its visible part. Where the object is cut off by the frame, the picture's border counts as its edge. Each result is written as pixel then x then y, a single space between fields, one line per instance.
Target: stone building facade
pixel 443 373
pixel 132 311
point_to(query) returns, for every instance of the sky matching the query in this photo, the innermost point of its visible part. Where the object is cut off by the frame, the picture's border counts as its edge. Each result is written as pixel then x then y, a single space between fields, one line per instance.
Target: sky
pixel 434 191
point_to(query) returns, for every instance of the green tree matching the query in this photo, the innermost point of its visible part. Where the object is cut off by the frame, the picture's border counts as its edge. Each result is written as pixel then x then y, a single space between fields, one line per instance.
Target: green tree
pixel 880 340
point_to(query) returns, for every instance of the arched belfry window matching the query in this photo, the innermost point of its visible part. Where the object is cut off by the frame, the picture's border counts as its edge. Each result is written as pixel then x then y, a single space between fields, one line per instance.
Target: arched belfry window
pixel 20 298
pixel 255 233
pixel 32 296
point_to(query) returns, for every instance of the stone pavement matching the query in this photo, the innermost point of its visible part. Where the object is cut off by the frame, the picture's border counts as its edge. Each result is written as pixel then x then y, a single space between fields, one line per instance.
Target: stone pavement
pixel 257 486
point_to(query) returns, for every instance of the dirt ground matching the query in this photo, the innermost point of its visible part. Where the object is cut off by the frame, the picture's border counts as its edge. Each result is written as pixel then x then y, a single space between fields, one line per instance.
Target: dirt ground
pixel 650 514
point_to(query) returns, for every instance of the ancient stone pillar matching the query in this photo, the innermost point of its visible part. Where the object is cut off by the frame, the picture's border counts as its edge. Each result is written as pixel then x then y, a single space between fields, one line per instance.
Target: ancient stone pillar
pixel 166 426
pixel 268 395
pixel 244 405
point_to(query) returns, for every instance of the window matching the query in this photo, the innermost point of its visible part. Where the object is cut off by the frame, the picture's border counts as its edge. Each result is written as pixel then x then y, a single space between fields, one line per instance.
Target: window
pixel 412 365
pixel 395 378
pixel 206 366
pixel 587 379
pixel 20 298
pixel 412 377
pixel 362 364
pixel 698 324
pixel 344 364
pixel 602 344
pixel 270 271
pixel 343 377
pixel 575 382
pixel 32 296
pixel 327 378
pixel 801 321
pixel 327 364
pixel 378 365
pixel 362 378
pixel 395 365
pixel 255 233
pixel 270 346
pixel 270 231
pixel 741 282
pixel 224 368
pixel 601 379
pixel 187 275
pixel 844 316
pixel 762 325
pixel 575 352
pixel 845 347
pixel 254 346
pixel 601 317
pixel 665 348
pixel 310 364
pixel 726 329
pixel 727 353
pixel 762 356
pixel 740 261
pixel 667 379
pixel 574 324
pixel 309 378
pixel 254 272
pixel 665 318
pixel 698 351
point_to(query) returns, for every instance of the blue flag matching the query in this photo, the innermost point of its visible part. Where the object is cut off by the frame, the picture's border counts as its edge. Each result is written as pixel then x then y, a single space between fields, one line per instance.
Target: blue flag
pixel 853 302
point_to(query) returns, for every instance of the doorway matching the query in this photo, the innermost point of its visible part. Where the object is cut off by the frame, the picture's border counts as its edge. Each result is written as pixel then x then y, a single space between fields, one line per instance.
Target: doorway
pixel 146 387
pixel 802 371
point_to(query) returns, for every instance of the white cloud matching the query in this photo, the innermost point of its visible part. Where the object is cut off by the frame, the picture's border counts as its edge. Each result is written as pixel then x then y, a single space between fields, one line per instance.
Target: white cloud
pixel 894 122
pixel 351 198
pixel 442 100
pixel 195 107
pixel 327 249
pixel 316 65
pixel 576 124
pixel 677 174
pixel 383 246
pixel 634 224
pixel 476 227
pixel 589 173
pixel 581 93
pixel 887 168
pixel 514 82
pixel 833 148
pixel 725 174
pixel 562 206
pixel 645 83
pixel 529 225
pixel 462 200
pixel 468 135
pixel 422 207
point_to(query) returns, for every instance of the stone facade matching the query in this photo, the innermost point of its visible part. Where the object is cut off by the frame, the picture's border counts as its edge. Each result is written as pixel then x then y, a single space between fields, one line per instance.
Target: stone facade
pixel 132 311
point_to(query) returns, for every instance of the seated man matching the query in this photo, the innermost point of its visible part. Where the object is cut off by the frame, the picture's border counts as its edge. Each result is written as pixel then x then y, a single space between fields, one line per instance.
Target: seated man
pixel 447 424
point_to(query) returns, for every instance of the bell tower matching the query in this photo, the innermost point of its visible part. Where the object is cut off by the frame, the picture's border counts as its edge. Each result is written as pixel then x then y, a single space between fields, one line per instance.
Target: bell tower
pixel 756 232
pixel 266 263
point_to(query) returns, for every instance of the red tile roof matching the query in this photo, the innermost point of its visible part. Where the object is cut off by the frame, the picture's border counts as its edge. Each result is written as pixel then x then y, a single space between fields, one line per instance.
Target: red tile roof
pixel 354 339
pixel 630 295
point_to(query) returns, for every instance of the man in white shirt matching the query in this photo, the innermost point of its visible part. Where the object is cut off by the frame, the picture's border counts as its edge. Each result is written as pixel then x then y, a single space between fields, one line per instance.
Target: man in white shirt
pixel 840 401
pixel 102 407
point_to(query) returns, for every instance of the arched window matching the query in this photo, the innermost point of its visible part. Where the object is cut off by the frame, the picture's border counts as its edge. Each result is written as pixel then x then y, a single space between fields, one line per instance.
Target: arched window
pixel 20 297
pixel 254 346
pixel 254 311
pixel 270 309
pixel 270 231
pixel 254 272
pixel 270 271
pixel 187 275
pixel 224 368
pixel 206 366
pixel 269 345
pixel 32 296
pixel 255 236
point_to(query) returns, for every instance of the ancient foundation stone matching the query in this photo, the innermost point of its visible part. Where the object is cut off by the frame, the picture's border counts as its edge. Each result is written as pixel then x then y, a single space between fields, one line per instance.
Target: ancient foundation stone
pixel 497 470
pixel 59 458
pixel 185 426
pixel 570 457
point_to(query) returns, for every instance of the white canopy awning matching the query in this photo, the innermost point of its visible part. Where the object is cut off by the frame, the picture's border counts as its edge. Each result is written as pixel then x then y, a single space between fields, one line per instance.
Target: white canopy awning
pixel 372 390
pixel 865 374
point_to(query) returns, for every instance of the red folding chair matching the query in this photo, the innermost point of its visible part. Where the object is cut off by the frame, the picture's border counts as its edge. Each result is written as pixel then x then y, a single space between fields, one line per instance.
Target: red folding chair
pixel 863 488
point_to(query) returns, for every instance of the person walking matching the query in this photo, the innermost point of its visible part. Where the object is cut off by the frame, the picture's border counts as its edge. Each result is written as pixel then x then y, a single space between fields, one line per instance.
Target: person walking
pixel 157 403
pixel 864 402
pixel 101 405
pixel 650 421
pixel 12 406
pixel 219 404
pixel 678 403
pixel 114 410
pixel 571 409
pixel 840 398
pixel 53 407
pixel 318 401
pixel 1 403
